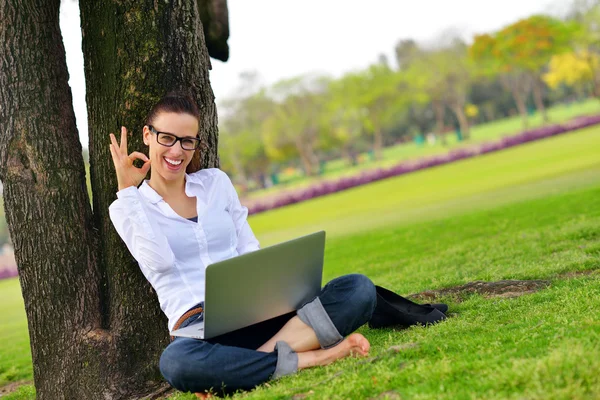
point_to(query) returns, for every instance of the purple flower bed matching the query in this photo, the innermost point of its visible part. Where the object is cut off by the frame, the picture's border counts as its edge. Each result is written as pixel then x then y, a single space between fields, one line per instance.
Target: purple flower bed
pixel 8 273
pixel 405 167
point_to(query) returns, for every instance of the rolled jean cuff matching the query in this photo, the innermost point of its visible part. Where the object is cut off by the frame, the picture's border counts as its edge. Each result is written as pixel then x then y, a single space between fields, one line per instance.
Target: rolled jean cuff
pixel 314 315
pixel 287 360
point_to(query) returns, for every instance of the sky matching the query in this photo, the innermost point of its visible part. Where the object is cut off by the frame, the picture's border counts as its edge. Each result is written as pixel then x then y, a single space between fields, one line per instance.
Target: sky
pixel 282 39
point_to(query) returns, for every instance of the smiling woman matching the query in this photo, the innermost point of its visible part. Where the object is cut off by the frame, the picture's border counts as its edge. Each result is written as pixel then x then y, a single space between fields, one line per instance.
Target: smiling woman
pixel 183 219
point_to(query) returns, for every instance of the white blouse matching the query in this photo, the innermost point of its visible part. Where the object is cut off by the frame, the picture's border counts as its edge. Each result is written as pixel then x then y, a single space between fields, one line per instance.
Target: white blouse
pixel 173 252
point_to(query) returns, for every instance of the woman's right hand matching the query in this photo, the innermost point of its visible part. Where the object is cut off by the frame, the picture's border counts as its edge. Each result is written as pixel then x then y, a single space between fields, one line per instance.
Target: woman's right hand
pixel 127 174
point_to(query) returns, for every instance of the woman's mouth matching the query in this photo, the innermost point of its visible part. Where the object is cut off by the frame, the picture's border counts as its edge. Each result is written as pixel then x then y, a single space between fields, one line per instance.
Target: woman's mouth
pixel 172 164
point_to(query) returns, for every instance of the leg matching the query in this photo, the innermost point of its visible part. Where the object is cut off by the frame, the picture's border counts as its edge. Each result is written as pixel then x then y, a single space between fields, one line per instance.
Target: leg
pixel 192 365
pixel 343 305
pixel 355 344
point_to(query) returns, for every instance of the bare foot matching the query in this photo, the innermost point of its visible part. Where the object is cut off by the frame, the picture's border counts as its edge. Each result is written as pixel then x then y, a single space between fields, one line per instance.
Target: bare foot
pixel 204 395
pixel 355 344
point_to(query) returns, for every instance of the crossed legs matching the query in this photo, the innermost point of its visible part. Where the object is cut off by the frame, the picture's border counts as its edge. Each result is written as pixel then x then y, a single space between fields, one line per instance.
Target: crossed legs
pixel 315 336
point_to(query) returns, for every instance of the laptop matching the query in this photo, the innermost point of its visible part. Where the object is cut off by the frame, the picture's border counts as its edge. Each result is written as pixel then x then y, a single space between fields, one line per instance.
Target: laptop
pixel 257 286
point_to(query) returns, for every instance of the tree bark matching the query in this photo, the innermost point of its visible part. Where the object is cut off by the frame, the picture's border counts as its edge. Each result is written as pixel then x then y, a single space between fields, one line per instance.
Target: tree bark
pixel 95 325
pixel 47 205
pixel 154 47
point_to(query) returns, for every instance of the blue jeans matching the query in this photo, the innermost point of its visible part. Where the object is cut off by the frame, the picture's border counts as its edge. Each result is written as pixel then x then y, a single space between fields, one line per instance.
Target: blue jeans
pixel 230 362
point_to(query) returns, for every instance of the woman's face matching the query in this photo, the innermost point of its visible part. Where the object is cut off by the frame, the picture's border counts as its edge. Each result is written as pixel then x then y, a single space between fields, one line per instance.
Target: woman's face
pixel 170 162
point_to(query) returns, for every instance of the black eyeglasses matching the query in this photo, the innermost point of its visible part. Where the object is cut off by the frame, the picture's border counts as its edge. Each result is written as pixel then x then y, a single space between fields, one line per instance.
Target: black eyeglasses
pixel 169 140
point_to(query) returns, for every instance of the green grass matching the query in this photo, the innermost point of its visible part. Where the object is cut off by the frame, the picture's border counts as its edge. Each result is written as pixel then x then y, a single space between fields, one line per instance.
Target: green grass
pixel 15 356
pixel 531 170
pixel 407 151
pixel 531 212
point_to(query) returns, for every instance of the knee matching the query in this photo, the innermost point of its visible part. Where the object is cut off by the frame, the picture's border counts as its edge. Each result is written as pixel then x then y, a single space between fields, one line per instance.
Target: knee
pixel 171 367
pixel 364 295
pixel 178 371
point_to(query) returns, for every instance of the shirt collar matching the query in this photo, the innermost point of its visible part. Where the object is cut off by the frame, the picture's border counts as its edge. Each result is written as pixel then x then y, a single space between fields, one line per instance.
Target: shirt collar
pixel 154 197
pixel 192 179
pixel 149 193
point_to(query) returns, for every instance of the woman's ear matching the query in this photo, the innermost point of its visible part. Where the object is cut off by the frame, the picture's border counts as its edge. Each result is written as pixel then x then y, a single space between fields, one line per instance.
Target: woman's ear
pixel 146 135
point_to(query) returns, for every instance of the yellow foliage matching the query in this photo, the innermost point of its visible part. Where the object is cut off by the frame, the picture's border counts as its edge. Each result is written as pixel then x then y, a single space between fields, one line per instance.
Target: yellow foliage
pixel 571 68
pixel 471 110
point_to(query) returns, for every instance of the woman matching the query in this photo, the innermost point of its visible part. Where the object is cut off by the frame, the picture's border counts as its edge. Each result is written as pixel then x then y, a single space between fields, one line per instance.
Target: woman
pixel 181 220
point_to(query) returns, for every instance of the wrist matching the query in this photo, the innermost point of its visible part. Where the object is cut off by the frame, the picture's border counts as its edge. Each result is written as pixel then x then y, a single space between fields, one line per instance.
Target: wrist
pixel 125 185
pixel 130 193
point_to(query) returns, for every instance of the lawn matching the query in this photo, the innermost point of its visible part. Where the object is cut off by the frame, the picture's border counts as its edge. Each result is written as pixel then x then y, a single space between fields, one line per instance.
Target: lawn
pixel 531 212
pixel 15 356
pixel 407 151
pixel 531 170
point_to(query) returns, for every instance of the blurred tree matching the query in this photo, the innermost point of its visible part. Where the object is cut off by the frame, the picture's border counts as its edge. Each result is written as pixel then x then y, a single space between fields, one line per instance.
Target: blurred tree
pixel 490 63
pixel 573 69
pixel 241 145
pixel 529 44
pixel 375 94
pixel 585 17
pixel 293 128
pixel 443 77
pixel 406 51
pixel 419 114
pixel 492 99
pixel 4 235
pixel 451 69
pixel 95 325
pixel 344 123
pixel 426 90
pixel 520 52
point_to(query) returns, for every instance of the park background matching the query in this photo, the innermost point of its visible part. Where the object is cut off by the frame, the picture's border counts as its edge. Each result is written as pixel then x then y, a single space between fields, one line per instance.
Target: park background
pixel 529 211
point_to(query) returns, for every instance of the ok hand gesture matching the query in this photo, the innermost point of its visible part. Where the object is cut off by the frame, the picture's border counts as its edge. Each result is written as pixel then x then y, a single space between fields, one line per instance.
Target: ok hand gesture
pixel 127 173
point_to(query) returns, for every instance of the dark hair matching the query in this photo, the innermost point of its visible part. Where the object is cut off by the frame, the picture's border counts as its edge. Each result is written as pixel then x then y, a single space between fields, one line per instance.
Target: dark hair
pixel 180 103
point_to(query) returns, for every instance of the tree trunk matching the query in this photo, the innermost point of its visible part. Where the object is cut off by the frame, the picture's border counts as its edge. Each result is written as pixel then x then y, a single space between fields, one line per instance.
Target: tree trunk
pixel 95 325
pixel 47 205
pixel 306 157
pixel 438 109
pixel 463 122
pixel 349 154
pixel 595 75
pixel 377 141
pixel 538 98
pixel 489 111
pixel 240 172
pixel 519 89
pixel 521 107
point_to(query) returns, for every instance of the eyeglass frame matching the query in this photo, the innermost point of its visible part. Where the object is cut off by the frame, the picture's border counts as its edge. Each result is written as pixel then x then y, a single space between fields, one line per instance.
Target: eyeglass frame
pixel 177 139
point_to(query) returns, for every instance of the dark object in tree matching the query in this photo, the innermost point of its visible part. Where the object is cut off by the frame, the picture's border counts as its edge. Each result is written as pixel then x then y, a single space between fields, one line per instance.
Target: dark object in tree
pixel 95 326
pixel 215 20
